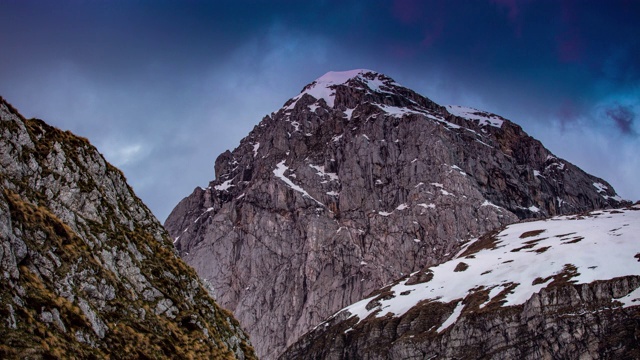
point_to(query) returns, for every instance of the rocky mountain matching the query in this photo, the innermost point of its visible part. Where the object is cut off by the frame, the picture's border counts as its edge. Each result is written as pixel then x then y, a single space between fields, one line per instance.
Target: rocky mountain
pixel 355 182
pixel 563 288
pixel 87 272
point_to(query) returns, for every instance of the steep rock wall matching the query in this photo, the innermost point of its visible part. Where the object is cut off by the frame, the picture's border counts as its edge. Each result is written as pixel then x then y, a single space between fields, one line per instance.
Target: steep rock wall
pixel 86 269
pixel 354 183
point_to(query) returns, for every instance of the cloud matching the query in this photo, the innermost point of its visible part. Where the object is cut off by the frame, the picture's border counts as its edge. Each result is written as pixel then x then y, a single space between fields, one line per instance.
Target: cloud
pixel 121 155
pixel 568 111
pixel 596 150
pixel 623 117
pixel 162 88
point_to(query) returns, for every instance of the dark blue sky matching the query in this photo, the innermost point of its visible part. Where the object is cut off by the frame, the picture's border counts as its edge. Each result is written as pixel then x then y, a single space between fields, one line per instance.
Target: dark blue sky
pixel 163 87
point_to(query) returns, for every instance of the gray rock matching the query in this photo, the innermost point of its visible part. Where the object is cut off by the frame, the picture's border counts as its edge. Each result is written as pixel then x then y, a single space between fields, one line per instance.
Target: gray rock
pixel 53 317
pixel 165 306
pixel 98 326
pixel 567 322
pixel 320 205
pixel 85 267
pixel 11 319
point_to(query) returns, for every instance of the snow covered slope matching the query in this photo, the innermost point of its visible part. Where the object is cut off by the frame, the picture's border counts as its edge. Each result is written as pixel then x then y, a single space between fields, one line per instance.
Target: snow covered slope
pixel 565 287
pixel 483 117
pixel 522 259
pixel 324 86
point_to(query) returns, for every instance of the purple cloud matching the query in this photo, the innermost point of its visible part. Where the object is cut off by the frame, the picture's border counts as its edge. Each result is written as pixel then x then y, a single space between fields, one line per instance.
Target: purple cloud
pixel 623 117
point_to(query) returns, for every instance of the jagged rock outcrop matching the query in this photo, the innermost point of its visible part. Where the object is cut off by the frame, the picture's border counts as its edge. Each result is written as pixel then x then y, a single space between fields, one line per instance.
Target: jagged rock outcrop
pixel 552 325
pixel 356 182
pixel 567 288
pixel 86 270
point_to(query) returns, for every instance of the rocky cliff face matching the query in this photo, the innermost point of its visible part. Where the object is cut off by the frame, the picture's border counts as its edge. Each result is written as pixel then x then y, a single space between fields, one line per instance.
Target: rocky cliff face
pixel 86 270
pixel 355 182
pixel 566 288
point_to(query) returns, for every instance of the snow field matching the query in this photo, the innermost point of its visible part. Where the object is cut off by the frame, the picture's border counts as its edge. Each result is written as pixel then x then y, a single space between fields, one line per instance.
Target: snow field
pixel 600 246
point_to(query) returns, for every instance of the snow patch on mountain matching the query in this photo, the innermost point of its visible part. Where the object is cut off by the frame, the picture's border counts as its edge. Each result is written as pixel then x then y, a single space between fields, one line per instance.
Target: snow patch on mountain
pixel 224 186
pixel 349 113
pixel 600 187
pixel 524 258
pixel 616 198
pixel 452 318
pixel 398 111
pixel 533 208
pixel 402 207
pixel 323 174
pixel 483 117
pixel 324 86
pixel 489 203
pixel 455 167
pixel 427 206
pixel 632 299
pixel 279 171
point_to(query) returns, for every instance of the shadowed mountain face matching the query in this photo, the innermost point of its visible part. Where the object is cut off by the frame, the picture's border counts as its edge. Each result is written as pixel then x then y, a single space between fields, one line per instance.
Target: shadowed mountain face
pixel 86 270
pixel 355 182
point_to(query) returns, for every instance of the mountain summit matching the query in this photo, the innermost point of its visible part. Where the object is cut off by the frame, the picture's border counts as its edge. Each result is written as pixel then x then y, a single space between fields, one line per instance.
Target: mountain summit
pixel 355 182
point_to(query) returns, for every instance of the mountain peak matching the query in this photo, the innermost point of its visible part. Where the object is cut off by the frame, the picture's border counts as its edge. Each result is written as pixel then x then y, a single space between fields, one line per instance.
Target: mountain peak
pixel 347 90
pixel 365 80
pixel 341 77
pixel 353 183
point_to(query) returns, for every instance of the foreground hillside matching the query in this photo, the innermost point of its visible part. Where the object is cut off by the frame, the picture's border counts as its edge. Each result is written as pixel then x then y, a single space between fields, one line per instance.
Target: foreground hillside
pixel 567 287
pixel 354 183
pixel 86 271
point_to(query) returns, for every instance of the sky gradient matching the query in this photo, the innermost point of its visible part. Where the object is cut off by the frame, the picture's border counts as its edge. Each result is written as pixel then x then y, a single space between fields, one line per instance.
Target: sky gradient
pixel 163 87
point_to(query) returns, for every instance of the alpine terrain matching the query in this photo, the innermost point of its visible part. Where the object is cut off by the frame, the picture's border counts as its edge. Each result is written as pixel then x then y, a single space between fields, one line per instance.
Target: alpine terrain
pixel 563 288
pixel 87 272
pixel 357 182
